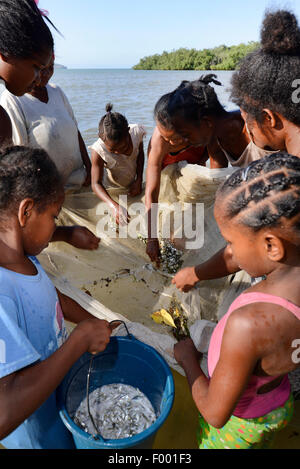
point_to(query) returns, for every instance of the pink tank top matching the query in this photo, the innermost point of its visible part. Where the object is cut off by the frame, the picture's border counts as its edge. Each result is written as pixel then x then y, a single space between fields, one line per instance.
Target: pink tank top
pixel 251 404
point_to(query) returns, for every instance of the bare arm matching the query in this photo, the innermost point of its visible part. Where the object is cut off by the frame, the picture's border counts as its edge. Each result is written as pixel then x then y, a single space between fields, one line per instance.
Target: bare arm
pixel 20 395
pixel 216 399
pixel 97 178
pixel 216 156
pixel 100 191
pixel 157 150
pixel 78 236
pixel 72 310
pixel 218 266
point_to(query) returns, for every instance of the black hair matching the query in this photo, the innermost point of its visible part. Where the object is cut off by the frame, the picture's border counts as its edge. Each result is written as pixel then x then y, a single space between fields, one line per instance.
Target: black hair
pixel 161 111
pixel 23 31
pixel 192 101
pixel 27 173
pixel 265 193
pixel 112 126
pixel 265 78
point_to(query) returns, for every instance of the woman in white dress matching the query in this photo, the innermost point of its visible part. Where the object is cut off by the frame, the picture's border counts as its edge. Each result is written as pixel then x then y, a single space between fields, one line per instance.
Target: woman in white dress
pixel 43 118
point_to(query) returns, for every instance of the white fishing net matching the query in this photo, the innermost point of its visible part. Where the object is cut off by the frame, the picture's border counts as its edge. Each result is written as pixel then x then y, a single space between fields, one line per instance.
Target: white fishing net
pixel 118 280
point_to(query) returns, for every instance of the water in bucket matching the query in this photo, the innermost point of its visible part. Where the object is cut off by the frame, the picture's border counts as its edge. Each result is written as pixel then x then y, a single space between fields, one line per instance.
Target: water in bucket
pixel 115 411
pixel 125 361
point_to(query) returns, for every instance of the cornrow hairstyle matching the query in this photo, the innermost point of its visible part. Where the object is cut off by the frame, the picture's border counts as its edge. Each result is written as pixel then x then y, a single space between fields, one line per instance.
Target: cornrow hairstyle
pixel 23 31
pixel 27 173
pixel 265 78
pixel 192 101
pixel 265 194
pixel 113 126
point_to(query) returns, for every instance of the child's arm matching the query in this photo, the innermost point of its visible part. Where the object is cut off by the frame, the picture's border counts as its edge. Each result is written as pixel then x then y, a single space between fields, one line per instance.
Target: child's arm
pixel 136 186
pixel 99 190
pixel 157 150
pixel 78 236
pixel 85 159
pixel 216 155
pixel 72 311
pixel 24 391
pixel 218 266
pixel 216 399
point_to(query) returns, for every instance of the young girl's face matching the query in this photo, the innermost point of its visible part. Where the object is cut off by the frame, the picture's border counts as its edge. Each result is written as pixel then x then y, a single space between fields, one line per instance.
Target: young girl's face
pixel 196 134
pixel 124 147
pixel 40 227
pixel 245 246
pixel 171 136
pixel 20 75
pixel 263 135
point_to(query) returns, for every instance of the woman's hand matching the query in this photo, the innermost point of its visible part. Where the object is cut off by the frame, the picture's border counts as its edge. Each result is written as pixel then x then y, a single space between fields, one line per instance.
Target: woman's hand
pixel 185 352
pixel 153 251
pixel 185 279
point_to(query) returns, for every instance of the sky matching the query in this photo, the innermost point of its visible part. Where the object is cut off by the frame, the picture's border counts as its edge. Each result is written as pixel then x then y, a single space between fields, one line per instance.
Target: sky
pixel 118 33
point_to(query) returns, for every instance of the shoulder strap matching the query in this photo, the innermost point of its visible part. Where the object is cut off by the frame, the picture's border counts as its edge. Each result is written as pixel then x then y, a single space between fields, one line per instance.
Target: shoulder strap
pixel 257 297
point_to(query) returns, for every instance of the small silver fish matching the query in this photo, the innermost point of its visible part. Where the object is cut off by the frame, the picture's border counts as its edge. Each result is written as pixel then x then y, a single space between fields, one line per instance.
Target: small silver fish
pixel 119 411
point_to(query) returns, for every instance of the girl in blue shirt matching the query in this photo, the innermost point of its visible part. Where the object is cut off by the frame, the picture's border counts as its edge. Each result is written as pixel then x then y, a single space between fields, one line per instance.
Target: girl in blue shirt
pixel 35 353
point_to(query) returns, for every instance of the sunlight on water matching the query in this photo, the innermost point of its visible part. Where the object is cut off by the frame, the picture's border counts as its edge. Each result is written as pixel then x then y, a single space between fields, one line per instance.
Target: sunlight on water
pixel 133 93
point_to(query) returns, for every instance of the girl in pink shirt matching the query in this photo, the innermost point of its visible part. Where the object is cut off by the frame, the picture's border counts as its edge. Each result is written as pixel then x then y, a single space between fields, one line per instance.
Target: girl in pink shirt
pixel 247 397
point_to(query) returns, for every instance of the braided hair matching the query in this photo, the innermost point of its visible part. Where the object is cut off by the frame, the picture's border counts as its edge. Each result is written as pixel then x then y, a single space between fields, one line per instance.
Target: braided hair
pixel 113 126
pixel 192 101
pixel 27 173
pixel 264 194
pixel 23 31
pixel 265 78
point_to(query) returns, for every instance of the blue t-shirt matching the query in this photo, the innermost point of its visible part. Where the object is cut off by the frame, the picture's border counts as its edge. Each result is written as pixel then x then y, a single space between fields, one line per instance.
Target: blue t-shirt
pixel 31 329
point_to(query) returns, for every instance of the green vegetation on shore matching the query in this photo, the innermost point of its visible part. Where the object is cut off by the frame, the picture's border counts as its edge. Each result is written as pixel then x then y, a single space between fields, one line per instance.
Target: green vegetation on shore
pixel 219 58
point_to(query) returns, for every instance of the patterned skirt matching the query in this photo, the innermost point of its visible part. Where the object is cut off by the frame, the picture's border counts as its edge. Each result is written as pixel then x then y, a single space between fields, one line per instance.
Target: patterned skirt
pixel 238 433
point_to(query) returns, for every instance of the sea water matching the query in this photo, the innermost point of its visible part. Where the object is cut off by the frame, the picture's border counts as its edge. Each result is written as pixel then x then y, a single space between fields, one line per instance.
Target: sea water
pixel 118 411
pixel 133 93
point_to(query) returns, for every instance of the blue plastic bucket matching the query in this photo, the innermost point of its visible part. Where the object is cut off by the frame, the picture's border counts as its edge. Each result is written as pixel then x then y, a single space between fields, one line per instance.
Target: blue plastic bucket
pixel 126 360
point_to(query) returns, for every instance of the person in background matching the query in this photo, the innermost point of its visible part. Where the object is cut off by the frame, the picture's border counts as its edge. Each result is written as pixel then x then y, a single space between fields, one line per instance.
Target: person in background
pixel 192 118
pixel 44 118
pixel 247 397
pixel 26 49
pixel 269 110
pixel 38 352
pixel 117 159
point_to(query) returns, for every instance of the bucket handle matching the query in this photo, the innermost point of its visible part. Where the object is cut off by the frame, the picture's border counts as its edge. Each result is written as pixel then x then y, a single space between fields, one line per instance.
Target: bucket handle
pixel 98 436
pixel 124 324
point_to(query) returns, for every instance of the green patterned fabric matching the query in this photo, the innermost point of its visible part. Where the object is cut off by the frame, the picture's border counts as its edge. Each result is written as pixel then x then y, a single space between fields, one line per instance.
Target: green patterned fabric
pixel 238 433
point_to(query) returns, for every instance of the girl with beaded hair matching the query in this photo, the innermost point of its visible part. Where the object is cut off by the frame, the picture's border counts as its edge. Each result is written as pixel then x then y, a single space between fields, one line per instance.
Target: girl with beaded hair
pixel 247 397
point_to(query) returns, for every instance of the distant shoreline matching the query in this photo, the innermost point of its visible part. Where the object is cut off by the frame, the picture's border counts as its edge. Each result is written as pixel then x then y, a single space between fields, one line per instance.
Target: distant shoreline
pixel 59 66
pixel 220 58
